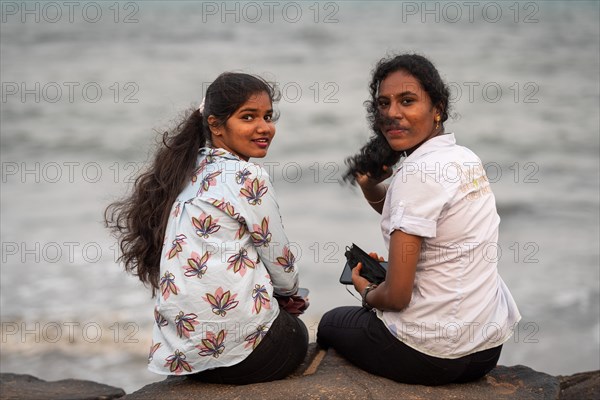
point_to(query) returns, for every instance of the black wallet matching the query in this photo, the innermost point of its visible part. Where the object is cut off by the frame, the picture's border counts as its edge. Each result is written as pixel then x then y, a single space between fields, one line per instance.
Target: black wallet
pixel 374 271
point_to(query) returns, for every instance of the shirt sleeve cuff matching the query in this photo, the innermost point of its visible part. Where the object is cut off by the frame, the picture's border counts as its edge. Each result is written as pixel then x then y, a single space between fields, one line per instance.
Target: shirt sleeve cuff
pixel 412 225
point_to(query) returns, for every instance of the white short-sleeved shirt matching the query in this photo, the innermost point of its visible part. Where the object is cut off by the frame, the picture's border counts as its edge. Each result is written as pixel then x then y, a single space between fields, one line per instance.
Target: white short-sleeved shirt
pixel 225 254
pixel 459 303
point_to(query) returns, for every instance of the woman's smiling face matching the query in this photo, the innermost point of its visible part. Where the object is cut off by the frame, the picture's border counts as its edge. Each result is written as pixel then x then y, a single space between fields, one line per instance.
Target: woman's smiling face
pixel 250 129
pixel 408 116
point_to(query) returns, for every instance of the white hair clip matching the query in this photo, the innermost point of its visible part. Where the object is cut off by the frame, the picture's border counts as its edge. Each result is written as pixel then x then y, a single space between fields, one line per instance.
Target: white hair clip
pixel 201 106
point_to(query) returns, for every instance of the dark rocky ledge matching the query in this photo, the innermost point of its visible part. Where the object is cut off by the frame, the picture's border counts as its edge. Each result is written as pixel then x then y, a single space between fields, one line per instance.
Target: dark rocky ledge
pixel 584 385
pixel 323 375
pixel 15 386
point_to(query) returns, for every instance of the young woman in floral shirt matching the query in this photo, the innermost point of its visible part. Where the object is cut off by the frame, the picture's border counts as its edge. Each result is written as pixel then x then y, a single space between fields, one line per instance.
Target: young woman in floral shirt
pixel 203 228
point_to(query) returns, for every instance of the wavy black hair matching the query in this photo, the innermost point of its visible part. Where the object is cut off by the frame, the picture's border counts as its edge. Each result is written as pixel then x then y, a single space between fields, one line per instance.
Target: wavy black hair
pixel 377 153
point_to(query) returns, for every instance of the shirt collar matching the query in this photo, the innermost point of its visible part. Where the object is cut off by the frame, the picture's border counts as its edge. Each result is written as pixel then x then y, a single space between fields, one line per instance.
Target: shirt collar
pixel 211 152
pixel 436 142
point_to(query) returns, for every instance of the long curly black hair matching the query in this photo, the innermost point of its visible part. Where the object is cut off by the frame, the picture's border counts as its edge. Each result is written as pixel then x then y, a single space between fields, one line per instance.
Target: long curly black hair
pixel 139 221
pixel 377 153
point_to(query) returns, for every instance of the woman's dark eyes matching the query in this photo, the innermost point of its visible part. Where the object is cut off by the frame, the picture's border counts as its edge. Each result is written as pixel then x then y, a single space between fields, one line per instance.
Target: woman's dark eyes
pixel 383 104
pixel 250 117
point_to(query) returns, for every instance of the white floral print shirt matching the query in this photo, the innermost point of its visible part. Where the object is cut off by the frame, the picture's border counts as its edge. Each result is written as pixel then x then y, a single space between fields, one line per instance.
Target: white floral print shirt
pixel 225 254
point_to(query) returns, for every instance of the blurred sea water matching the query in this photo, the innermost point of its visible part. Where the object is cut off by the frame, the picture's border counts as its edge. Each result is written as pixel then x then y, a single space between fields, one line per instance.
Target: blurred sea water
pixel 86 93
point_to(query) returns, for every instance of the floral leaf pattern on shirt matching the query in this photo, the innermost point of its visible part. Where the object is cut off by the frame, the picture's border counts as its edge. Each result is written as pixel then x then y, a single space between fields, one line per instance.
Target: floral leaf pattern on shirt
pixel 242 230
pixel 224 206
pixel 212 345
pixel 205 225
pixel 287 260
pixel 261 235
pixel 167 285
pixel 177 364
pixel 208 181
pixel 254 338
pixel 240 261
pixel 254 190
pixel 221 302
pixel 176 246
pixel 185 324
pixel 228 209
pixel 210 158
pixel 199 170
pixel 159 319
pixel 153 349
pixel 177 210
pixel 261 298
pixel 213 153
pixel 196 266
pixel 242 176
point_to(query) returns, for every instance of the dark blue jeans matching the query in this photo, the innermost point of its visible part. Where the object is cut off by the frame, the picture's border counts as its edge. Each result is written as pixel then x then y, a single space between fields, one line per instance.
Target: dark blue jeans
pixel 278 354
pixel 363 339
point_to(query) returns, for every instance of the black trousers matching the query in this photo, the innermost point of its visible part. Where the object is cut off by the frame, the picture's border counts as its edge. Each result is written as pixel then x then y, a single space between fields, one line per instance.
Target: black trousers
pixel 363 339
pixel 278 354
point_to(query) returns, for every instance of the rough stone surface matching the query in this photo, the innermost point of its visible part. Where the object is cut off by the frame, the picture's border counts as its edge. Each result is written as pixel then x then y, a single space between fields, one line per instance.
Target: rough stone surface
pixel 335 378
pixel 323 375
pixel 27 387
pixel 584 385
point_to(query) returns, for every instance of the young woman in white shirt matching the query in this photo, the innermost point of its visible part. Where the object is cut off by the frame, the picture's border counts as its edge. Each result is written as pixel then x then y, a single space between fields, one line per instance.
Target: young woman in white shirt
pixel 443 312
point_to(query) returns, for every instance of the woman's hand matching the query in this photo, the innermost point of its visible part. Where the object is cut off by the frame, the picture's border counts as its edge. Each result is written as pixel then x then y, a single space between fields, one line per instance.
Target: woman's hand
pixel 373 190
pixel 358 281
pixel 294 304
pixel 367 182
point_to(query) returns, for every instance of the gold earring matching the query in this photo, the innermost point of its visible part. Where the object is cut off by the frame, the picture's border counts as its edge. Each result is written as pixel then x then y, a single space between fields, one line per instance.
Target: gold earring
pixel 437 122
